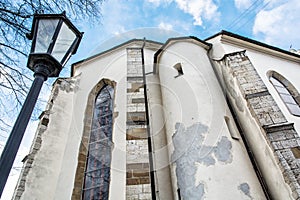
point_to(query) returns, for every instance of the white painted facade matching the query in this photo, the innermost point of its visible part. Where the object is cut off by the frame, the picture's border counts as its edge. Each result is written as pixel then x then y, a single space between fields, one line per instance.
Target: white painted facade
pixel 198 150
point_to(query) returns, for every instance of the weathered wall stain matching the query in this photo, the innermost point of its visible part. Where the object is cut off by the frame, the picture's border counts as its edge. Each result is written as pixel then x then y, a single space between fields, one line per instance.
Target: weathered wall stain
pixel 223 150
pixel 188 150
pixel 245 188
pixel 69 84
pixel 230 87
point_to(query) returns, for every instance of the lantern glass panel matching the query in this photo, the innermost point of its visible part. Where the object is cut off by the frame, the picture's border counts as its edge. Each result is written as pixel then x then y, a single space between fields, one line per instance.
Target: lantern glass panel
pixel 46 29
pixel 64 41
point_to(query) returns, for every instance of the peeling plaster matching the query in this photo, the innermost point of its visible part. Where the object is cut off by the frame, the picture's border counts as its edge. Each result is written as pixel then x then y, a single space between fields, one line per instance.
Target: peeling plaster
pixel 189 150
pixel 187 142
pixel 230 87
pixel 245 188
pixel 69 84
pixel 205 156
pixel 223 150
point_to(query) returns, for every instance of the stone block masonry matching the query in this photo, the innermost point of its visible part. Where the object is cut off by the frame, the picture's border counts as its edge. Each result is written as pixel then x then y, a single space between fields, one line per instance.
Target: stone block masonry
pixel 279 134
pixel 137 156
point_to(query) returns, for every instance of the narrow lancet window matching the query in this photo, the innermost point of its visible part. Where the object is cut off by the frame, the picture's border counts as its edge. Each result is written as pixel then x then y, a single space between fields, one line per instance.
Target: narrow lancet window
pixel 286 96
pixel 97 173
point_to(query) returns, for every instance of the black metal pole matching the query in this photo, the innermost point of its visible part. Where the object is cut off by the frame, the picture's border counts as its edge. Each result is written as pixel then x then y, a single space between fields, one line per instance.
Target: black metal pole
pixel 12 145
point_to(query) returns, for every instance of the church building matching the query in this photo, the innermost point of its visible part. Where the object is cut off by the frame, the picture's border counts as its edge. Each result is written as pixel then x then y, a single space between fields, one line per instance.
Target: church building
pixel 188 119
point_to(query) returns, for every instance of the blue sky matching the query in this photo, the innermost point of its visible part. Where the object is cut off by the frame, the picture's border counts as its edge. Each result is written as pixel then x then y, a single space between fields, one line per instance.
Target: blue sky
pixel 275 22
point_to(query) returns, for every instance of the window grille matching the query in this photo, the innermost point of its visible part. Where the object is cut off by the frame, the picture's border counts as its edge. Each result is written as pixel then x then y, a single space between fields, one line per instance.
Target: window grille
pixel 97 173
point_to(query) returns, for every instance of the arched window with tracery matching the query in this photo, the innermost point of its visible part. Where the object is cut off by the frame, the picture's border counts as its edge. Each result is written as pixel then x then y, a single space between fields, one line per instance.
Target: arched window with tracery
pixel 97 172
pixel 286 91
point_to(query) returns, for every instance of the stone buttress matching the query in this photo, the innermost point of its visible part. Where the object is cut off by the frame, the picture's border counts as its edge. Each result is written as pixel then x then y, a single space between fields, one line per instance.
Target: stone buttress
pixel 282 142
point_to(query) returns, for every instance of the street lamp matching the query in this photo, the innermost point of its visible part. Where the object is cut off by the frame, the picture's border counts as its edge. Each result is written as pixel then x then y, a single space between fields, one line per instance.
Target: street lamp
pixel 54 40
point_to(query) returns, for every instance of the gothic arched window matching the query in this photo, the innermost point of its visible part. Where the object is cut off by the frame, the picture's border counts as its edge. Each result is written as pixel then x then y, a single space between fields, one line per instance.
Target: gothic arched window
pixel 284 87
pixel 97 173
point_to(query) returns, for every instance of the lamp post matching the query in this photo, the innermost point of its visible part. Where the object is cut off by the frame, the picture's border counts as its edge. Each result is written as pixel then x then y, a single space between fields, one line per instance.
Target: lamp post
pixel 54 40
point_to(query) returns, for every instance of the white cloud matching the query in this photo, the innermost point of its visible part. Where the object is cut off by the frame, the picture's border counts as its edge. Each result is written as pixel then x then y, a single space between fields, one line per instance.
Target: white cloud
pixel 275 3
pixel 199 9
pixel 165 26
pixel 277 23
pixel 120 30
pixel 243 4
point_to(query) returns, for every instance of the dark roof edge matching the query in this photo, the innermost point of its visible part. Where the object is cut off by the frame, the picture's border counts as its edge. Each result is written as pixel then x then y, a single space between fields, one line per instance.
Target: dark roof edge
pixel 157 53
pixel 223 32
pixel 111 49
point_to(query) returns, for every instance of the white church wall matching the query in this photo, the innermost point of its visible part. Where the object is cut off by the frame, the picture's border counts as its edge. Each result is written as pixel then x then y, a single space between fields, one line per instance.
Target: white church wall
pixel 42 179
pixel 290 70
pixel 194 110
pixel 160 146
pixel 56 161
pixel 264 61
pixel 112 67
pixel 148 59
pixel 196 145
pixel 252 120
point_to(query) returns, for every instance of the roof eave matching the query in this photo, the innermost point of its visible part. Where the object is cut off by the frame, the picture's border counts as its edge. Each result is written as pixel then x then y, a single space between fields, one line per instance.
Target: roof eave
pixel 108 51
pixel 250 43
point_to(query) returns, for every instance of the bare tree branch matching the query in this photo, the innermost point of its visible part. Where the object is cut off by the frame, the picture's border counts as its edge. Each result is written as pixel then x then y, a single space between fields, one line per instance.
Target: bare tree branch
pixel 15 21
pixel 14 49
